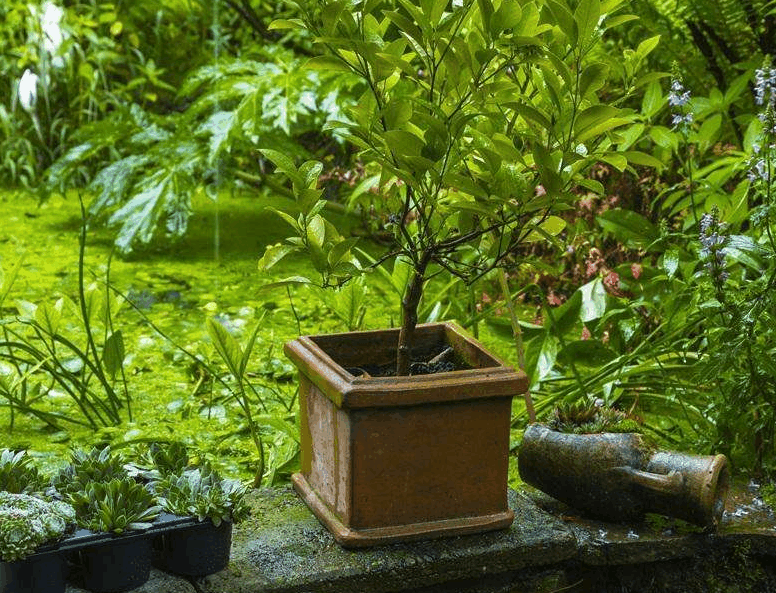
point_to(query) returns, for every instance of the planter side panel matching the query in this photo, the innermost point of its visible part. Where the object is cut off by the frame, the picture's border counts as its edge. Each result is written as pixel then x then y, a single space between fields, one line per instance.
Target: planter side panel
pixel 429 462
pixel 327 464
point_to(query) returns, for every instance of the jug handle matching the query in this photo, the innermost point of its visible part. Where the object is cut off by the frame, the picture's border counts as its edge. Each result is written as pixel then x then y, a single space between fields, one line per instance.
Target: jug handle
pixel 670 483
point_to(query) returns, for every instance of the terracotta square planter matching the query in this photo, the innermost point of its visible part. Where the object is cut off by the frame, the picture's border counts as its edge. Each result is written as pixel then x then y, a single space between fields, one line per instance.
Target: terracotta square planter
pixel 393 459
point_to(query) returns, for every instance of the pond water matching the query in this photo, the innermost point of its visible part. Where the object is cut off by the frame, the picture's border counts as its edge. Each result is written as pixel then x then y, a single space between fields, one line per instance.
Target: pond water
pixel 177 288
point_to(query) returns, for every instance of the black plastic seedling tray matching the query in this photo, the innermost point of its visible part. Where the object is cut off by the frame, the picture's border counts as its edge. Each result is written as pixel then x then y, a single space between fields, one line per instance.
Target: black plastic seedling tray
pixel 108 563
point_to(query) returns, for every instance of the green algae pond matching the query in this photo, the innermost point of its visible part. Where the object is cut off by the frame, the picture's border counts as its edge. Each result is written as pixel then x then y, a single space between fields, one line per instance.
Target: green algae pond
pixel 177 387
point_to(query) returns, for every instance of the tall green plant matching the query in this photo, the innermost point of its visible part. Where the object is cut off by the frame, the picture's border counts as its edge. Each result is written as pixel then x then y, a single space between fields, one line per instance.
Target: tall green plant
pixel 40 352
pixel 478 117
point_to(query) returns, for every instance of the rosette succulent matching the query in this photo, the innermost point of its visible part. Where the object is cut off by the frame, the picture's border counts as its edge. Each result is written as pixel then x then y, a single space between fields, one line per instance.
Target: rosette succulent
pixel 202 493
pixel 27 522
pixel 97 465
pixel 18 474
pixel 116 506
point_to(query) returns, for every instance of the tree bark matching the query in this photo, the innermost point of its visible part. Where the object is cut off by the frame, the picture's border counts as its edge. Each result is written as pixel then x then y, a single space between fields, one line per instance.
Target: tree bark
pixel 409 319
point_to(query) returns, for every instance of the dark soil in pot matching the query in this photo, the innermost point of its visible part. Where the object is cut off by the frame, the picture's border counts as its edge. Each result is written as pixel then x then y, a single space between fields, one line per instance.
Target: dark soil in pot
pixel 194 551
pixel 441 360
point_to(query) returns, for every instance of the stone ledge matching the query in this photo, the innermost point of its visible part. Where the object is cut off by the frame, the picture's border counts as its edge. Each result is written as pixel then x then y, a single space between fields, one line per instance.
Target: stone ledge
pixel 283 549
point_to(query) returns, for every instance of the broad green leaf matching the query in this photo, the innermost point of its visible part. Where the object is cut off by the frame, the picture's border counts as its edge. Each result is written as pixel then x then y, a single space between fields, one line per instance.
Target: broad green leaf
pixel 565 20
pixel 646 46
pixel 642 158
pixel 226 345
pixel 565 317
pixel 316 231
pixel 594 115
pixel 653 100
pixel 593 300
pixel 628 227
pixel 586 17
pixel 274 253
pixel 290 281
pixel 588 353
pixel 287 217
pixel 550 227
pixel 664 137
pixel 547 356
pixel 283 164
pixel 671 261
pixel 49 317
pixel 593 78
pixel 403 143
pixel 281 24
pixel 113 353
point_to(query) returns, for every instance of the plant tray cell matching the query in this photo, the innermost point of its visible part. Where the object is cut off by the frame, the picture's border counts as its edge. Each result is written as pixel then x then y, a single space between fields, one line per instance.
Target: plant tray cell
pixel 44 572
pixel 197 550
pixel 104 562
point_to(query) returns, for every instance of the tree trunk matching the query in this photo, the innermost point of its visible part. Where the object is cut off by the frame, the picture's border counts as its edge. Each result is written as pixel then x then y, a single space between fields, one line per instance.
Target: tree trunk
pixel 409 319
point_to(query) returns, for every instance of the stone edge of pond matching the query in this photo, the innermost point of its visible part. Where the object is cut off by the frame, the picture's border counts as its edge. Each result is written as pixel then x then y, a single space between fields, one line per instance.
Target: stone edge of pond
pixel 282 548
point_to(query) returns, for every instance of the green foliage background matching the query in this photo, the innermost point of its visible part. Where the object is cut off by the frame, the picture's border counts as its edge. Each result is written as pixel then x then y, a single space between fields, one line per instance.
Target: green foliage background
pixel 156 113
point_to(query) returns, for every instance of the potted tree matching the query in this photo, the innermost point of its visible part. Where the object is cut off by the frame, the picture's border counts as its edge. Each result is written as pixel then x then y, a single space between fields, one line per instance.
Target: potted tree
pixel 27 525
pixel 476 119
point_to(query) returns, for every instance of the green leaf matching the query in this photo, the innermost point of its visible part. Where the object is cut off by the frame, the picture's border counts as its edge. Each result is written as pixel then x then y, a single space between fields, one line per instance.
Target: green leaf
pixel 281 24
pixel 628 227
pixel 226 345
pixel 586 17
pixel 48 317
pixel 646 46
pixel 593 300
pixel 316 231
pixel 565 317
pixel 287 217
pixel 671 261
pixel 565 20
pixel 548 228
pixel 290 281
pixel 274 253
pixel 664 137
pixel 249 346
pixel 113 353
pixel 403 143
pixel 642 158
pixel 283 164
pixel 653 100
pixel 547 356
pixel 594 116
pixel 588 353
pixel 592 78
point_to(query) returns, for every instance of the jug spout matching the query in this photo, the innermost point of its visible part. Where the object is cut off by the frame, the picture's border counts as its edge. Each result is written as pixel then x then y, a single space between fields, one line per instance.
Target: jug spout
pixel 701 498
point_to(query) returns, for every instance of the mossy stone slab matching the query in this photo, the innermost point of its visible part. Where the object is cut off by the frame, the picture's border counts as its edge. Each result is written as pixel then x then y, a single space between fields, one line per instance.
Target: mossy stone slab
pixel 284 548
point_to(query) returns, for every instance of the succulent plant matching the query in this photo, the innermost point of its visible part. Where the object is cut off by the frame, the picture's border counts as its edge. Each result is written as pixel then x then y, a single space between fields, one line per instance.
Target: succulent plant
pixel 27 522
pixel 97 465
pixel 169 458
pixel 584 418
pixel 202 493
pixel 116 506
pixel 18 474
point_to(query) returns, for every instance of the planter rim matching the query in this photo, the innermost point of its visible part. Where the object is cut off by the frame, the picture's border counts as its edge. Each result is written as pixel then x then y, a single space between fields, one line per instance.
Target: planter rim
pixel 348 391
